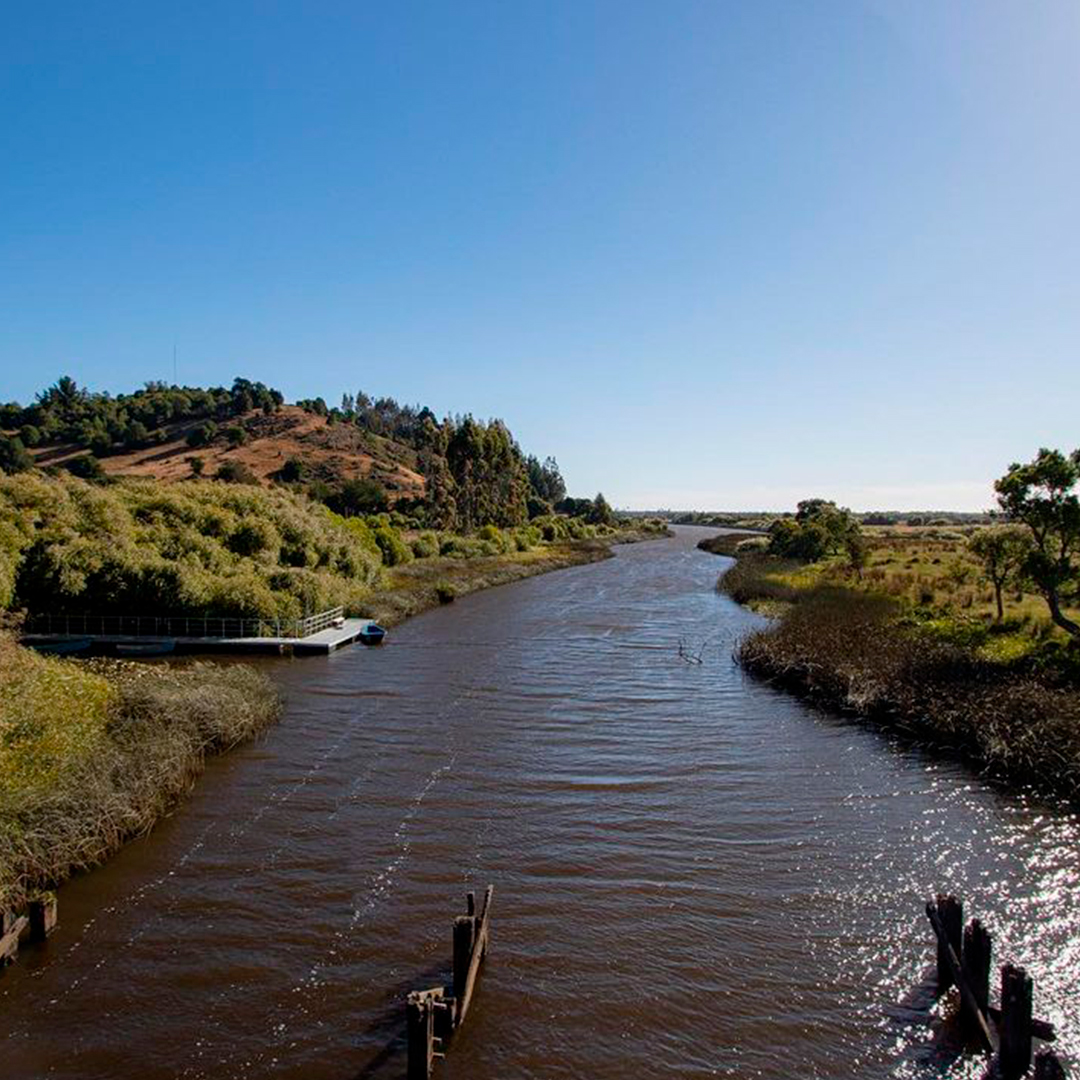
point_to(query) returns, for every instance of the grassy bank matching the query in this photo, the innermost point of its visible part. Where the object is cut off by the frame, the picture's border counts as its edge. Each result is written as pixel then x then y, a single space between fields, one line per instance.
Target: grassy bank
pixel 880 655
pixel 92 757
pixel 426 583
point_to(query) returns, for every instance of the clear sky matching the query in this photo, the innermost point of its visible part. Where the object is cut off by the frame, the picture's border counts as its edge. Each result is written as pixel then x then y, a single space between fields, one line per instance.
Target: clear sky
pixel 715 254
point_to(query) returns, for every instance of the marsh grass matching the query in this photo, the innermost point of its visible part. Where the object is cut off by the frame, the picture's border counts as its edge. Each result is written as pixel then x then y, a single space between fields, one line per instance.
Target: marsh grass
pixel 864 653
pixel 90 758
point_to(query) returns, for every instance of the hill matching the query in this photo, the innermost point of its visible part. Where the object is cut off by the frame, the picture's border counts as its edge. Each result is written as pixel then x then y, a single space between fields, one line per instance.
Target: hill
pixel 366 456
pixel 330 451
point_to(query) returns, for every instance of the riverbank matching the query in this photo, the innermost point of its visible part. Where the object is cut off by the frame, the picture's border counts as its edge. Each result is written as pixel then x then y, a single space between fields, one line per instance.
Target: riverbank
pixel 92 755
pixel 865 654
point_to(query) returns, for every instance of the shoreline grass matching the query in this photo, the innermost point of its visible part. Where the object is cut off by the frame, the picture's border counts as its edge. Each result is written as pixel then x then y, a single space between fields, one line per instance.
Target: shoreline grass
pixel 865 654
pixel 426 583
pixel 94 755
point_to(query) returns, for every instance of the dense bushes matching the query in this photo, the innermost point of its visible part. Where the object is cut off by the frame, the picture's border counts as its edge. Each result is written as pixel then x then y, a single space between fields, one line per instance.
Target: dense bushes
pixel 196 548
pixel 204 548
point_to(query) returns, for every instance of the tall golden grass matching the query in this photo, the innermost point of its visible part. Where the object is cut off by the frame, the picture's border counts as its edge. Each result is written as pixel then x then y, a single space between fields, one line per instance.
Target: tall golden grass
pixel 89 760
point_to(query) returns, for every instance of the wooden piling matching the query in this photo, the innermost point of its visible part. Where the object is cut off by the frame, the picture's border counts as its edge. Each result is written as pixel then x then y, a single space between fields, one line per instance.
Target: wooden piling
pixel 1015 1027
pixel 951 913
pixel 1047 1066
pixel 978 1025
pixel 432 1017
pixel 464 934
pixel 975 966
pixel 9 942
pixel 41 912
pixel 420 1010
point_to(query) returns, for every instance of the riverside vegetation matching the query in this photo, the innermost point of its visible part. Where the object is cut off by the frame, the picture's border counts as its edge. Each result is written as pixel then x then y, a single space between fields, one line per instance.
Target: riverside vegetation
pixel 957 636
pixel 92 754
pixel 91 757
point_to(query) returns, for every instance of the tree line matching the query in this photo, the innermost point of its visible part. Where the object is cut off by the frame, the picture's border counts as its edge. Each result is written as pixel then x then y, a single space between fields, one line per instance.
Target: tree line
pixel 475 472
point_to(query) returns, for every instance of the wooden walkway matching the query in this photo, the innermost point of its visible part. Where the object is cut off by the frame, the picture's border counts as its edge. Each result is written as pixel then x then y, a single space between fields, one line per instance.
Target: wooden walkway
pixel 320 643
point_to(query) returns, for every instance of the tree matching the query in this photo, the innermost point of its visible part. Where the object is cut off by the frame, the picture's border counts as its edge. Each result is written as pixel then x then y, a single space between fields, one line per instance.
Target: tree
pixel 236 436
pixel 808 541
pixel 601 512
pixel 202 435
pixel 236 472
pixel 855 546
pixel 294 471
pixel 356 497
pixel 836 522
pixel 196 464
pixel 86 466
pixel 14 457
pixel 1042 496
pixel 1001 551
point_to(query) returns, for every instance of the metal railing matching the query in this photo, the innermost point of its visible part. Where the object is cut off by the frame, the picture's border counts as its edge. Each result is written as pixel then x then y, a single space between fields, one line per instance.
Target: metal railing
pixel 178 626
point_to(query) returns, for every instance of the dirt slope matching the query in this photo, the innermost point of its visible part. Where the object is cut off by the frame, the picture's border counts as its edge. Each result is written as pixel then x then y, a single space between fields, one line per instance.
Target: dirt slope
pixel 331 452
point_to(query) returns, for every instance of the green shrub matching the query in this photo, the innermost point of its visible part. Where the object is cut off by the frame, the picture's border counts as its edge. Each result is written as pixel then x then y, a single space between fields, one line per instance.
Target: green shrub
pixel 425 546
pixel 14 457
pixel 235 472
pixel 86 467
pixel 493 539
pixel 394 550
pixel 445 592
pixel 202 435
pixel 461 547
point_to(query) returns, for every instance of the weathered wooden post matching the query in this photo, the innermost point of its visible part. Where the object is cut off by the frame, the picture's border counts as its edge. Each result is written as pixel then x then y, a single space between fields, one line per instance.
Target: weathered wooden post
pixel 975 964
pixel 464 932
pixel 420 1032
pixel 15 930
pixel 1047 1066
pixel 951 912
pixel 1015 1028
pixel 42 914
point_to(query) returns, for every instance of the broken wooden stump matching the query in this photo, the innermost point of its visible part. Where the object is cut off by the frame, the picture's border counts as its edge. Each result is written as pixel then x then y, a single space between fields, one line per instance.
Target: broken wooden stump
pixel 16 930
pixel 975 969
pixel 41 911
pixel 432 1017
pixel 420 1012
pixel 951 914
pixel 976 1018
pixel 1014 1031
pixel 36 924
pixel 963 961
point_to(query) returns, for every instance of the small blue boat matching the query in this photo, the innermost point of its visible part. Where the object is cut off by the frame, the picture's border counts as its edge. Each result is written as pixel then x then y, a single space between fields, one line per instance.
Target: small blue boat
pixel 372 634
pixel 63 648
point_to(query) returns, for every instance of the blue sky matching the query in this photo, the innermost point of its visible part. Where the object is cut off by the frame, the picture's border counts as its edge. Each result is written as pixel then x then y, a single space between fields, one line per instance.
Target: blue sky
pixel 708 254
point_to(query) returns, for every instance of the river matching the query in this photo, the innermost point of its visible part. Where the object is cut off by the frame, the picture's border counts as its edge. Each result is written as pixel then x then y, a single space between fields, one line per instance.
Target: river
pixel 695 874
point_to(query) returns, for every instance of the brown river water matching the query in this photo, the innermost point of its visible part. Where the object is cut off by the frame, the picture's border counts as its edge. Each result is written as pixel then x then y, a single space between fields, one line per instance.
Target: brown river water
pixel 695 874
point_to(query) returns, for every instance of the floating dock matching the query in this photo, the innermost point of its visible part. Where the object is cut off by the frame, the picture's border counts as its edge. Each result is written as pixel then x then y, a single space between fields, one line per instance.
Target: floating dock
pixel 321 642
